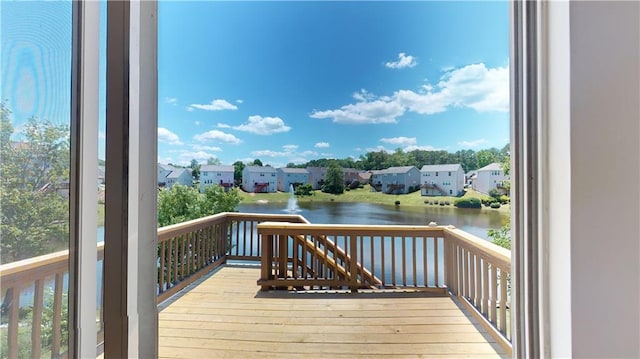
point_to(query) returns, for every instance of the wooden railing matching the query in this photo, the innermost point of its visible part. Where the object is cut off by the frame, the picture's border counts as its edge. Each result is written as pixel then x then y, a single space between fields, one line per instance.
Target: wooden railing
pixel 188 250
pixel 34 306
pixel 294 254
pixel 303 255
pixel 435 258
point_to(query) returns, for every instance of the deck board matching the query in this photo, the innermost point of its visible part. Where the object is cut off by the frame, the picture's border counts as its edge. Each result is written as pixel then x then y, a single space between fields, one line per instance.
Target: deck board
pixel 226 316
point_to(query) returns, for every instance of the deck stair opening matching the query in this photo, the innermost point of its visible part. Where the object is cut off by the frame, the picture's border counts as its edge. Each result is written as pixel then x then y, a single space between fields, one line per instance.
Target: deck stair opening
pixel 395 188
pixel 259 187
pixel 434 186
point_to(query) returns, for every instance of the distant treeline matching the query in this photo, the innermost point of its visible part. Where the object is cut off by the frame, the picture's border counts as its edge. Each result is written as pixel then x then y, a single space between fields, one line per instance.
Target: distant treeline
pixel 469 159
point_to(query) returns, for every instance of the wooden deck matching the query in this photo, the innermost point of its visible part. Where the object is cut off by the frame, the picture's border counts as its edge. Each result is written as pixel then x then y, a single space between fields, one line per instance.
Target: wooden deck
pixel 226 316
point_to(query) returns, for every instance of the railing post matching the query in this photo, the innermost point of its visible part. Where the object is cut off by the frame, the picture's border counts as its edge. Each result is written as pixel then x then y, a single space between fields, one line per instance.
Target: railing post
pixel 267 255
pixel 353 265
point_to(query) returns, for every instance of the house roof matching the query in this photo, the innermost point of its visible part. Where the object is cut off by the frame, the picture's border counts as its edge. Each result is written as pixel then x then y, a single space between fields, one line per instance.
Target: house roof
pixel 294 170
pixel 166 167
pixel 472 174
pixel 216 168
pixel 392 170
pixel 267 169
pixel 491 167
pixel 364 175
pixel 441 168
pixel 177 172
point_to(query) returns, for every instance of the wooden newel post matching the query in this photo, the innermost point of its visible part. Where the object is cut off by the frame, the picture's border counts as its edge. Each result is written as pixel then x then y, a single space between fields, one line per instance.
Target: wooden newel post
pixel 266 260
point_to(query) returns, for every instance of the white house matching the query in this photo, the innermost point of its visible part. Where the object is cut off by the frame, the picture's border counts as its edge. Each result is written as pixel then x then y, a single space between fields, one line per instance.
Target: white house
pixel 179 176
pixel 291 176
pixel 470 178
pixel 163 172
pixel 216 175
pixel 396 180
pixel 490 177
pixel 442 180
pixel 259 179
pixel 316 176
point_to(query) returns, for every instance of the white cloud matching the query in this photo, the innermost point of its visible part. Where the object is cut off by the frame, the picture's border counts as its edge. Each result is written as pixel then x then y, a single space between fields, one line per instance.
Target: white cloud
pixel 215 135
pixel 378 149
pixel 382 110
pixel 206 148
pixel 269 153
pixel 327 155
pixel 263 125
pixel 474 86
pixel 215 105
pixel 309 153
pixel 290 148
pixel 474 143
pixel 171 100
pixel 421 148
pixel 321 145
pixel 288 151
pixel 240 101
pixel 197 123
pixel 402 141
pixel 404 61
pixel 166 136
pixel 224 125
pixel 189 108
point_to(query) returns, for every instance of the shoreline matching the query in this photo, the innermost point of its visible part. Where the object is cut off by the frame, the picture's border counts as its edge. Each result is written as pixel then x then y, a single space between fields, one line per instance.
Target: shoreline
pixel 364 195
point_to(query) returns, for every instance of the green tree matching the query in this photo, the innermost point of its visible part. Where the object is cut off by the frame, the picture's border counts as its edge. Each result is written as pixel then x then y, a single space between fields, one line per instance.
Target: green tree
pixel 502 236
pixel 195 170
pixel 213 161
pixel 257 162
pixel 334 179
pixel 33 221
pixel 182 203
pixel 238 167
pixel 486 157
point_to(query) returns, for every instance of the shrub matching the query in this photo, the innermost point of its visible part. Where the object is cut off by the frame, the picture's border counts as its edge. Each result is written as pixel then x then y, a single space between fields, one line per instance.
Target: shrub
pixel 495 194
pixel 397 203
pixel 442 203
pixel 447 203
pixel 435 202
pixel 304 190
pixel 505 199
pixel 354 184
pixel 468 203
pixel 486 201
pixel 495 205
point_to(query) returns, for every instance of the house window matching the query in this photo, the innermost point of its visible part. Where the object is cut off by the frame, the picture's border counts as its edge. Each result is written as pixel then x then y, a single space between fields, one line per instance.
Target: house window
pixel 436 174
pixel 449 174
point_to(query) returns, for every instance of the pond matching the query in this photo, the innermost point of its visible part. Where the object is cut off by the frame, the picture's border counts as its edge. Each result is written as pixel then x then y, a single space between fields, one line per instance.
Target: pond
pixel 474 221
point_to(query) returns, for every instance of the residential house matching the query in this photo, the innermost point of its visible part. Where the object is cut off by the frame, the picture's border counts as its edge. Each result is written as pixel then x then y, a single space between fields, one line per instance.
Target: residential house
pixel 317 176
pixel 100 175
pixel 259 179
pixel 350 175
pixel 490 177
pixel 396 180
pixel 163 172
pixel 442 180
pixel 291 176
pixel 216 175
pixel 364 177
pixel 470 178
pixel 180 176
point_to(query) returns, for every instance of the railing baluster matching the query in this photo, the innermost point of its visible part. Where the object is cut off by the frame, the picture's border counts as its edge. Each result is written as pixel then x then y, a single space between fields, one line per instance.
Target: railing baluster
pixel 393 260
pixel 425 260
pixel 404 260
pixel 485 288
pixel 353 266
pixel 57 316
pixel 494 295
pixel 36 326
pixel 503 301
pixel 373 257
pixel 472 278
pixel 382 259
pixel 12 335
pixel 175 260
pixel 436 266
pixel 478 294
pixel 414 264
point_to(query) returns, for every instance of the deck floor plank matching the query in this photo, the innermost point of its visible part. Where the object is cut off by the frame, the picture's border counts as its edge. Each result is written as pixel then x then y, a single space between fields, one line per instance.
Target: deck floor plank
pixel 226 316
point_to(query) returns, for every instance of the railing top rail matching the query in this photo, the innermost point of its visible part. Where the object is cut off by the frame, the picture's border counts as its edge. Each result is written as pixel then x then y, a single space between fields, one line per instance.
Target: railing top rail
pixel 168 232
pixel 494 253
pixel 362 229
pixel 36 263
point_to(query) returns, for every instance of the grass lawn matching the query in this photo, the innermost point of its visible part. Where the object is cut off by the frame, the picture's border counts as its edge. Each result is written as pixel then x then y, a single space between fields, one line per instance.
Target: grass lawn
pixel 100 214
pixel 362 195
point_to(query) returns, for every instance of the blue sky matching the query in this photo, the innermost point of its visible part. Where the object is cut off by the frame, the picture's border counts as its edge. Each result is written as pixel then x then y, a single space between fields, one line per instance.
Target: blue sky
pixel 294 81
